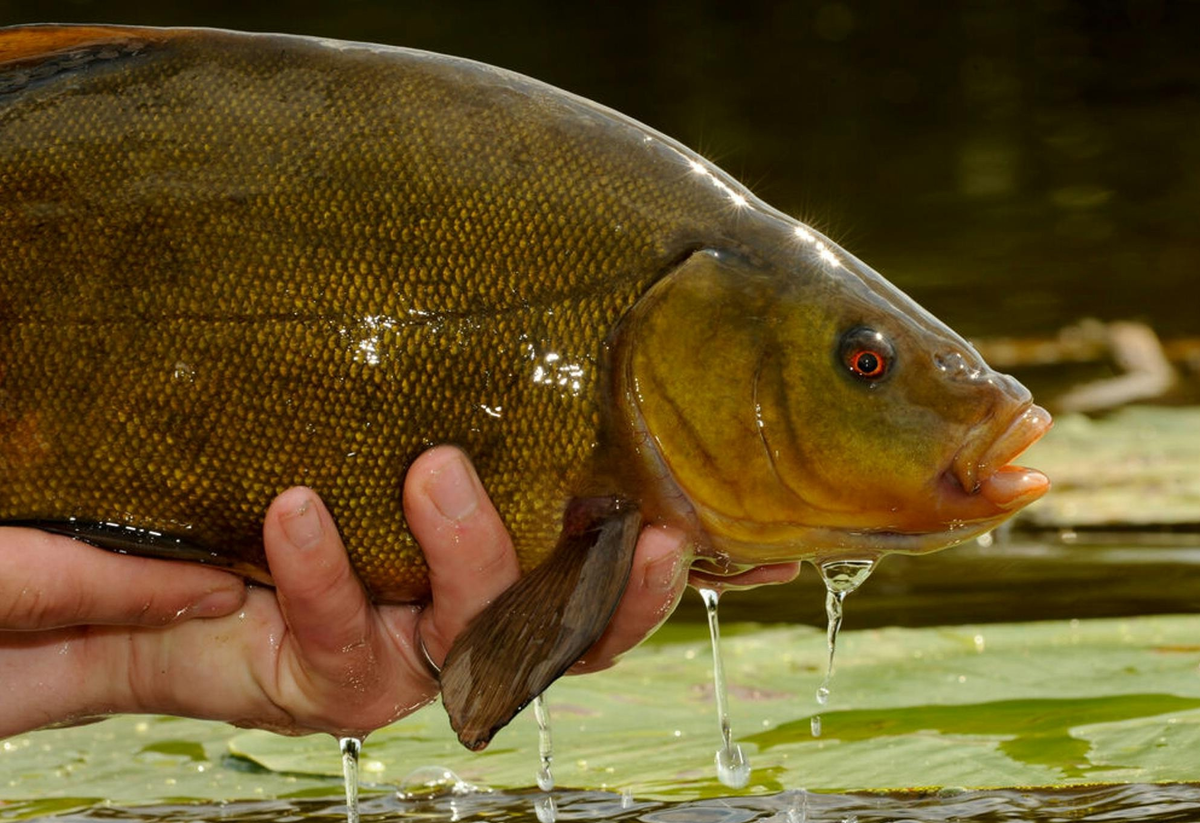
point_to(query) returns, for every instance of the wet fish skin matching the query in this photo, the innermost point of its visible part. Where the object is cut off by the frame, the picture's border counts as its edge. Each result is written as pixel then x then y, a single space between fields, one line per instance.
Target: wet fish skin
pixel 234 263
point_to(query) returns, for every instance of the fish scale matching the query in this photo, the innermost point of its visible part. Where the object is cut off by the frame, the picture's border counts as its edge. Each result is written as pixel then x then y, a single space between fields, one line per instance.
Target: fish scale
pixel 272 260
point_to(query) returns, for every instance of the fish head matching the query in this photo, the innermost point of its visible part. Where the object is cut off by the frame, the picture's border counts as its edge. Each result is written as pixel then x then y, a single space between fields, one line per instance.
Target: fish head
pixel 803 408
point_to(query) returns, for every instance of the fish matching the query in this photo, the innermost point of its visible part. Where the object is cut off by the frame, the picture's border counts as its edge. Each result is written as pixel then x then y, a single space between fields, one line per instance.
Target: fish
pixel 232 263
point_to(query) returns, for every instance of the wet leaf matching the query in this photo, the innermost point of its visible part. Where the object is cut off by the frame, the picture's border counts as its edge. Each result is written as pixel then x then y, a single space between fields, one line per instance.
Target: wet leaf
pixel 1039 704
pixel 1139 466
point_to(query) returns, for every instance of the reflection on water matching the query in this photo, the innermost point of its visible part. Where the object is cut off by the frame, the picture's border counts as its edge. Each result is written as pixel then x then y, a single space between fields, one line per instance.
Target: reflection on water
pixel 1118 804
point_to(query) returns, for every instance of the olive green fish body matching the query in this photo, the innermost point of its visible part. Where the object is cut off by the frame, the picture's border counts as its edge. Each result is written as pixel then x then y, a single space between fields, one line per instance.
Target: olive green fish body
pixel 230 264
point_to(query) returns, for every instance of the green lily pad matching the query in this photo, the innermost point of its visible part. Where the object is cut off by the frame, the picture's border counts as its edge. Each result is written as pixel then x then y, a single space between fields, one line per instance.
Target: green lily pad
pixel 1038 704
pixel 1139 466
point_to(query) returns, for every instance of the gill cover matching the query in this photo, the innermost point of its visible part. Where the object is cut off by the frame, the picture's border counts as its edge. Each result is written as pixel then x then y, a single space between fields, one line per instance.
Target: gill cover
pixel 800 414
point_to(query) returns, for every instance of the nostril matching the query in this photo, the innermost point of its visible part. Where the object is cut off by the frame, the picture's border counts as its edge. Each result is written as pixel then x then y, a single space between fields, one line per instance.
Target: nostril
pixel 962 369
pixel 957 367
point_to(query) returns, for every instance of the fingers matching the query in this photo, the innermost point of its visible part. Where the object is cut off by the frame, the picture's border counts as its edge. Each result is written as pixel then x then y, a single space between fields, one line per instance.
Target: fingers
pixel 757 576
pixel 323 602
pixel 656 583
pixel 468 550
pixel 47 581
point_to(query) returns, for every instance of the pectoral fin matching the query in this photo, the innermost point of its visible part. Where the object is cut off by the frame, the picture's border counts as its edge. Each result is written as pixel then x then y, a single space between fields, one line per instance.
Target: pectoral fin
pixel 543 623
pixel 143 542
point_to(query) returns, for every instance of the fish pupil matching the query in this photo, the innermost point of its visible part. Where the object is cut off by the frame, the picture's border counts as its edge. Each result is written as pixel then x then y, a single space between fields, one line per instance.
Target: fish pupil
pixel 866 354
pixel 867 364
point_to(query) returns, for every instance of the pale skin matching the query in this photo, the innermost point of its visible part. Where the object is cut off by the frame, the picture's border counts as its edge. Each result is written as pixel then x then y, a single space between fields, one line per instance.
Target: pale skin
pixel 85 633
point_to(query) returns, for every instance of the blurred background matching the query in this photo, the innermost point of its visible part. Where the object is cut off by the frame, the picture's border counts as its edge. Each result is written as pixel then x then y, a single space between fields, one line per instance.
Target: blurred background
pixel 1017 167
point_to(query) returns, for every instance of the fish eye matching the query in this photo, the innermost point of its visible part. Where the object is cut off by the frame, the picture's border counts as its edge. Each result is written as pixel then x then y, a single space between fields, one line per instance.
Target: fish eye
pixel 867 354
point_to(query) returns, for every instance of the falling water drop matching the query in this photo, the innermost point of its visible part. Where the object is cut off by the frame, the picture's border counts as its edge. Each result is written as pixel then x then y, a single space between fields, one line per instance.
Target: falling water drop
pixel 798 810
pixel 733 769
pixel 545 809
pixel 351 747
pixel 545 779
pixel 842 577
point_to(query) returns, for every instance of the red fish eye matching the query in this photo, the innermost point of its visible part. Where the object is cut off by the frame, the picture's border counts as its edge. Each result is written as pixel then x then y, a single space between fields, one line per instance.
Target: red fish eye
pixel 868 363
pixel 866 353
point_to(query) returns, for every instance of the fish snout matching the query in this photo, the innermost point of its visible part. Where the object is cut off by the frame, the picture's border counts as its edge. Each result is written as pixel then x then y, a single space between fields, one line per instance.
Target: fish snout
pixel 959 368
pixel 983 467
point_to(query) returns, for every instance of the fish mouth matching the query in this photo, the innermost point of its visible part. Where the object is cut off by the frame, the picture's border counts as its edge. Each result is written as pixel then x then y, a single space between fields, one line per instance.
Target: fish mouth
pixel 978 491
pixel 983 468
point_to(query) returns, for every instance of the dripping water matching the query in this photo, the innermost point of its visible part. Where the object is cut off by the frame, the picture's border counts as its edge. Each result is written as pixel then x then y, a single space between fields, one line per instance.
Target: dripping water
pixel 733 770
pixel 351 747
pixel 798 809
pixel 544 806
pixel 545 779
pixel 842 577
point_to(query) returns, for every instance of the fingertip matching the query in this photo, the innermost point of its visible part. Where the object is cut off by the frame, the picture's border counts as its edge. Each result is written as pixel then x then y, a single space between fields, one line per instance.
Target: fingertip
pixel 442 484
pixel 660 559
pixel 221 600
pixel 466 545
pixel 322 600
pixel 298 512
pixel 656 584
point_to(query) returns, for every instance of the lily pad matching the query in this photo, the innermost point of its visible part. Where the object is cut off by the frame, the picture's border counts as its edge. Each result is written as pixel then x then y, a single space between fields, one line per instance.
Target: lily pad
pixel 1038 704
pixel 1139 466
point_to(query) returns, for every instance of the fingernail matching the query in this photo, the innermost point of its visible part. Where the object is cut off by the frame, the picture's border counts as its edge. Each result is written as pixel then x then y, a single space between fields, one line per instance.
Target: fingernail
pixel 217 603
pixel 302 525
pixel 452 491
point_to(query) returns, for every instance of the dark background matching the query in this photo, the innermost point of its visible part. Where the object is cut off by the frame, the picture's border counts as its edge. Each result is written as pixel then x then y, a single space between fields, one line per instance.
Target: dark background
pixel 1014 166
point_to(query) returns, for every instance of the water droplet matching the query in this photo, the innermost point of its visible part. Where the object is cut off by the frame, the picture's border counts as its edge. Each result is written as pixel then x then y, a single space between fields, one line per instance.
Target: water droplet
pixel 814 725
pixel 626 798
pixel 545 809
pixel 842 577
pixel 351 747
pixel 798 810
pixel 545 779
pixel 429 782
pixel 183 372
pixel 733 769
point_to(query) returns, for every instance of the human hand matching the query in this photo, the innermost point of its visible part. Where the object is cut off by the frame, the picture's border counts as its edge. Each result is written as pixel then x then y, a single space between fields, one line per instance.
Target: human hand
pixel 312 655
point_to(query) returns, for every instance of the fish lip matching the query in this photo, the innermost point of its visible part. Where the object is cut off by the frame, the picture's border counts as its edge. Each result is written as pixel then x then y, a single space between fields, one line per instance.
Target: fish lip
pixel 981 458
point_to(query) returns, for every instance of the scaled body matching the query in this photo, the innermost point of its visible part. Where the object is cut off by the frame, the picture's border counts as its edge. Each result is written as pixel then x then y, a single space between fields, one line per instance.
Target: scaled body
pixel 230 264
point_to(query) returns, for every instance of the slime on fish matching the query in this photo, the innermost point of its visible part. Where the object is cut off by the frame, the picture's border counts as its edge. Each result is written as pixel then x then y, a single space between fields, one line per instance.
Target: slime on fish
pixel 232 263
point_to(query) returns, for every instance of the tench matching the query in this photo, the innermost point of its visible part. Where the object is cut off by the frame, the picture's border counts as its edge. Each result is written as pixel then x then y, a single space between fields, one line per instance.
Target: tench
pixel 232 263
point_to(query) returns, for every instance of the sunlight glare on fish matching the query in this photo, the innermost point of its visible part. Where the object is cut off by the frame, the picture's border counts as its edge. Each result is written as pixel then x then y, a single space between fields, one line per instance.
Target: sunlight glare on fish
pixel 736 198
pixel 367 338
pixel 822 249
pixel 552 370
